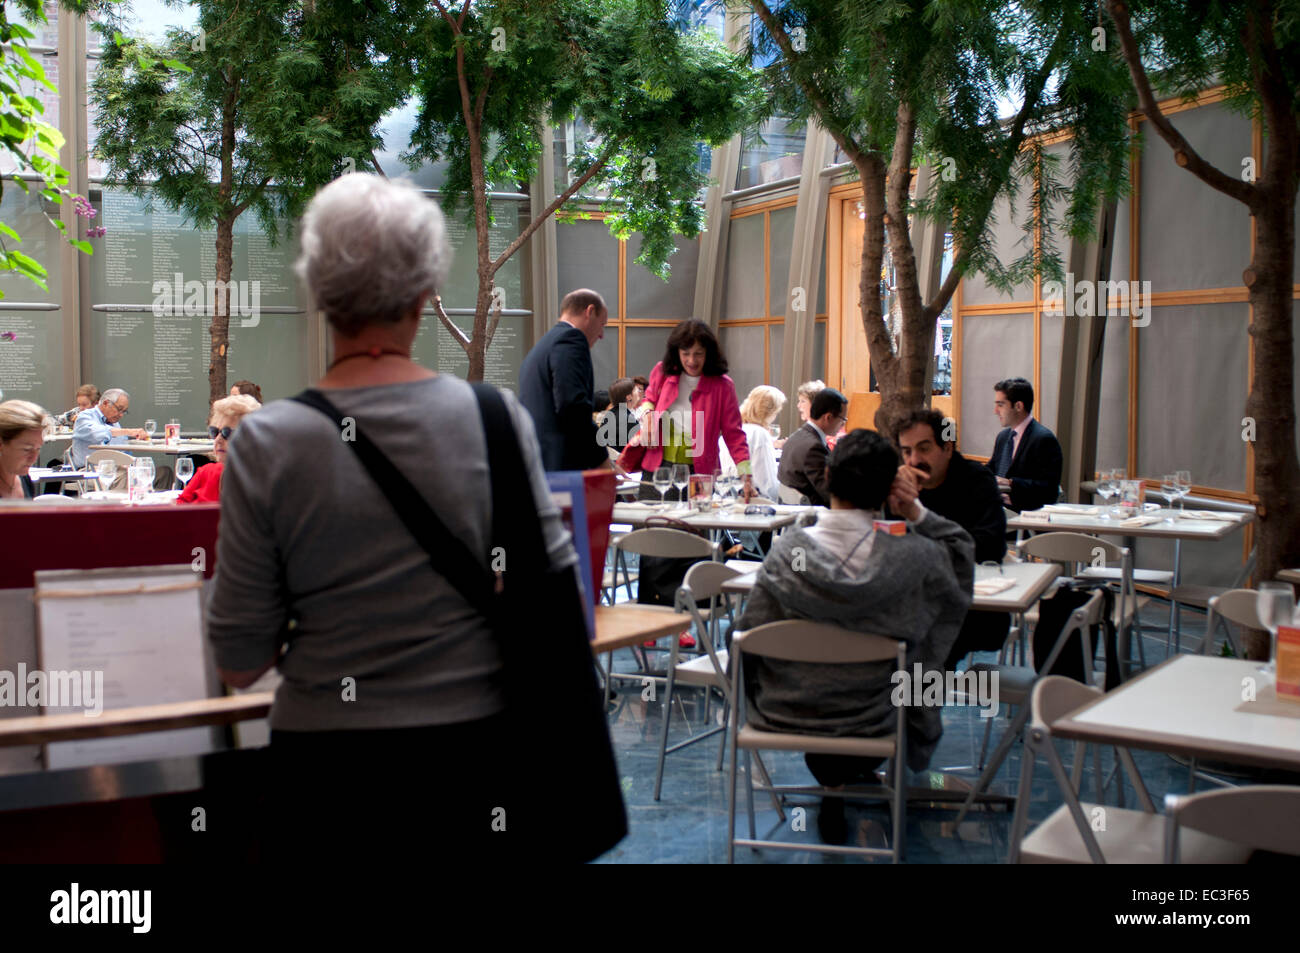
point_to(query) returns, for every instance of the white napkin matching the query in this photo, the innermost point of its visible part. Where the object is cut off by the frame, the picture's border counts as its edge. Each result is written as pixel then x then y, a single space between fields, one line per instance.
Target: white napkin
pixel 991 587
pixel 1077 508
pixel 1222 515
pixel 1037 516
pixel 1141 520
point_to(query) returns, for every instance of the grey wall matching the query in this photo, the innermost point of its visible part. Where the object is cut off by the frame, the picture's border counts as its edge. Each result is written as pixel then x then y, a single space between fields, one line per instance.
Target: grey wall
pixel 994 346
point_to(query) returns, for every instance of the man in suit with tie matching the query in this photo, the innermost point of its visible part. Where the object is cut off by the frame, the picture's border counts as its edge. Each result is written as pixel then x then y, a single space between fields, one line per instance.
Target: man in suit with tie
pixel 556 384
pixel 803 460
pixel 1026 457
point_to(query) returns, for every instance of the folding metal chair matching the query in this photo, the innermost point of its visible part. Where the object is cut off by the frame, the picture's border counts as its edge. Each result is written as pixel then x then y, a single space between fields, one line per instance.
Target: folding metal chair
pixel 1262 817
pixel 802 641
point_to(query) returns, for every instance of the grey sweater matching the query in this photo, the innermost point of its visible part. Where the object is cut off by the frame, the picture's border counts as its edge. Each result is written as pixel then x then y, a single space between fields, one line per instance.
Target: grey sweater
pixel 306 534
pixel 914 588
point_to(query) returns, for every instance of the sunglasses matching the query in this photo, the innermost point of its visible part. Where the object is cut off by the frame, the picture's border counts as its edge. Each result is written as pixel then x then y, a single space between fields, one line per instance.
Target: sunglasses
pixel 225 432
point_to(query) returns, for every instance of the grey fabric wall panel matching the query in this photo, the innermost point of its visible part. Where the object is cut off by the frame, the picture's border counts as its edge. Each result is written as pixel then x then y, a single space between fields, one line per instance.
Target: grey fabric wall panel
pixel 1206 563
pixel 586 256
pixel 604 359
pixel 1112 411
pixel 743 297
pixel 994 347
pixel 775 348
pixel 645 349
pixel 1119 257
pixel 651 297
pixel 1193 236
pixel 1191 393
pixel 744 349
pixel 1010 242
pixel 781 243
pixel 1047 396
pixel 819 354
pixel 821 284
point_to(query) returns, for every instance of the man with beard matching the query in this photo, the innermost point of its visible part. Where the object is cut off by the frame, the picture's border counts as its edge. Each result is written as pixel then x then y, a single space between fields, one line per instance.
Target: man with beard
pixel 966 493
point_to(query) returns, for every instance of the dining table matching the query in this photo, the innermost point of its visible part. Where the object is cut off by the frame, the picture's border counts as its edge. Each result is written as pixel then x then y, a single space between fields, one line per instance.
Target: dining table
pixel 181 448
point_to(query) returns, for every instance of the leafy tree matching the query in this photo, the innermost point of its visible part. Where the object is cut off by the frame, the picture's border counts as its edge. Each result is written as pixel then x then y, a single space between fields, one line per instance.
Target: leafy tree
pixel 487 75
pixel 920 81
pixel 1252 47
pixel 257 110
pixel 30 142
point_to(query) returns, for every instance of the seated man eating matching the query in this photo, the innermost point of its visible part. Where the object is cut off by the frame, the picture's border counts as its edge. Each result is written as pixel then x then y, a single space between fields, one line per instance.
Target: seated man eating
pixel 840 571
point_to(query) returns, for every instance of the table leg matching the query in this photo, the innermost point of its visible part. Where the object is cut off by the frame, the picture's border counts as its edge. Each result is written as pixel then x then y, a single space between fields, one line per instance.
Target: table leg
pixel 1174 614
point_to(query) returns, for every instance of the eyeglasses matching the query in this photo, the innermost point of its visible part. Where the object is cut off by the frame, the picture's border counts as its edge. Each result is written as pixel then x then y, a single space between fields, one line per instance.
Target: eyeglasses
pixel 225 432
pixel 120 409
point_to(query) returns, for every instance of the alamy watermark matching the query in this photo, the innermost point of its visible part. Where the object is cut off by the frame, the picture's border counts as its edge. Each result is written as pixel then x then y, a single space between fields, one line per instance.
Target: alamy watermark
pixel 194 298
pixel 614 429
pixel 53 689
pixel 932 689
pixel 1084 299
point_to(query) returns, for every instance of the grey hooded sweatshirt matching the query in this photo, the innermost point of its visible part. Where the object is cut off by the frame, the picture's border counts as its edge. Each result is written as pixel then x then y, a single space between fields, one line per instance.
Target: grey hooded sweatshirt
pixel 914 588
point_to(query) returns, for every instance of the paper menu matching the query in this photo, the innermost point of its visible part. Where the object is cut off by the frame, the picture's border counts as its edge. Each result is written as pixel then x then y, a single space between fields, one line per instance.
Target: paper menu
pixel 1288 663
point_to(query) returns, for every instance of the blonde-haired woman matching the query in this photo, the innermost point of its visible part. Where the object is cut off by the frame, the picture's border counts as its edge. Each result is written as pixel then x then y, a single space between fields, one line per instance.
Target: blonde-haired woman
pixel 22 434
pixel 757 414
pixel 226 415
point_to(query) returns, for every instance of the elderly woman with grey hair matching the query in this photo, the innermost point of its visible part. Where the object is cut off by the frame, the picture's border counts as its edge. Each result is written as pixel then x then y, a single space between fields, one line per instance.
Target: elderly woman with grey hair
pixel 391 729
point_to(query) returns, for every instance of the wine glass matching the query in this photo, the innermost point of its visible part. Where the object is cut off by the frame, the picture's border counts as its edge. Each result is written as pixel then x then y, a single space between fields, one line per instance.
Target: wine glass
pixel 106 473
pixel 1105 490
pixel 663 479
pixel 150 427
pixel 775 430
pixel 1184 486
pixel 184 470
pixel 1275 604
pixel 681 476
pixel 1169 490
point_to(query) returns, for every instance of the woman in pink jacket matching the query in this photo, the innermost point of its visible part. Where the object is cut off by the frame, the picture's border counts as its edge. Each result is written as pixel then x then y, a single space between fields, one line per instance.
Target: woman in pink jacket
pixel 689 404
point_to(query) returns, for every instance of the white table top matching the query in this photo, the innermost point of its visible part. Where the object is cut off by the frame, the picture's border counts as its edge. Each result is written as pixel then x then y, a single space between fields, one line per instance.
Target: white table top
pixel 1188 705
pixel 120 496
pixel 48 474
pixel 1064 520
pixel 1032 580
pixel 1289 575
pixel 636 514
pixel 157 446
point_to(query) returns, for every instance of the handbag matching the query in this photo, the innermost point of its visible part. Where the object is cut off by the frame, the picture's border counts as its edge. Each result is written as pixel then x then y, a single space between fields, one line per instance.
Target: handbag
pixel 1054 615
pixel 557 731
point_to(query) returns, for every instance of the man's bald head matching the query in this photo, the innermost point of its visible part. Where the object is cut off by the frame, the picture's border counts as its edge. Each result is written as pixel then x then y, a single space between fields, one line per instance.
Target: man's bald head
pixel 585 310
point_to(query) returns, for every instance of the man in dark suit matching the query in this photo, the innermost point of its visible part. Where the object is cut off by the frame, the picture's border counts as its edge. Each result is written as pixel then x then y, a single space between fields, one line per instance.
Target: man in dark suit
pixel 803 459
pixel 556 384
pixel 1026 457
pixel 966 493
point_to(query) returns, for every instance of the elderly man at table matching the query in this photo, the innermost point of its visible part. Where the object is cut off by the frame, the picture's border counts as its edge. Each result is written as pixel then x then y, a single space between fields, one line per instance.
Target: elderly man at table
pixel 840 571
pixel 97 426
pixel 803 461
pixel 556 384
pixel 966 493
pixel 1027 457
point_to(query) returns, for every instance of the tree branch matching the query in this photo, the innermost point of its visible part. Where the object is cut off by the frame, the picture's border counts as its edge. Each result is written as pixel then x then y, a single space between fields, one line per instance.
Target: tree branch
pixel 1184 154
pixel 560 199
pixel 378 167
pixel 461 337
pixel 261 186
pixel 492 327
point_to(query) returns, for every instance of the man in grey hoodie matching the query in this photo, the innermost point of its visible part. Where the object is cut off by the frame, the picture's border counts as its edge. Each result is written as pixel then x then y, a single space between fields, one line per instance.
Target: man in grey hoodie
pixel 840 571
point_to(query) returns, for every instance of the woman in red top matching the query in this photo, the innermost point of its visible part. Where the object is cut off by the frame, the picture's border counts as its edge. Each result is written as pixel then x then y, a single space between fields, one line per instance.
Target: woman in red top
pixel 205 487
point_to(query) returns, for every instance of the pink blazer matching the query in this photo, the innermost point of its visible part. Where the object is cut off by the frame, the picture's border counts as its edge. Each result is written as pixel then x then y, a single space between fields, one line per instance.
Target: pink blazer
pixel 714 412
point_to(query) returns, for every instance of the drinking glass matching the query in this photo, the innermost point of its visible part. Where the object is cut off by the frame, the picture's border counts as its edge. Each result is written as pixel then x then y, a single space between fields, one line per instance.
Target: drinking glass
pixel 106 473
pixel 1169 490
pixel 663 479
pixel 775 430
pixel 681 476
pixel 150 427
pixel 1184 486
pixel 1275 604
pixel 184 470
pixel 146 463
pixel 1105 490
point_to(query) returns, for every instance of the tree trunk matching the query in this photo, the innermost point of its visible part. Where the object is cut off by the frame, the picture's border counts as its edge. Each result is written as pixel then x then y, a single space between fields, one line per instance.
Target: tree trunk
pixel 1271 403
pixel 219 331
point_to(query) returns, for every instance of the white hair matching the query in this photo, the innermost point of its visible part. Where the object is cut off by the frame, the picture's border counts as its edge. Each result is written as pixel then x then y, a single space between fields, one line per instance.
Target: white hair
pixel 112 394
pixel 370 248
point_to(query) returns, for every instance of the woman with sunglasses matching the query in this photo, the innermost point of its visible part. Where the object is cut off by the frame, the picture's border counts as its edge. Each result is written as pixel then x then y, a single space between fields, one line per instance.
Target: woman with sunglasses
pixel 226 414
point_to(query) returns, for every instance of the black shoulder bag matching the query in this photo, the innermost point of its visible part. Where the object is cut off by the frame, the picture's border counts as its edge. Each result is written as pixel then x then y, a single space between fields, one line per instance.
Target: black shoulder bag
pixel 565 797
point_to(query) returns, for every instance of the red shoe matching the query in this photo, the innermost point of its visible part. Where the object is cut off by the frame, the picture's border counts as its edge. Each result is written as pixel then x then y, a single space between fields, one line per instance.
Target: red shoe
pixel 686 641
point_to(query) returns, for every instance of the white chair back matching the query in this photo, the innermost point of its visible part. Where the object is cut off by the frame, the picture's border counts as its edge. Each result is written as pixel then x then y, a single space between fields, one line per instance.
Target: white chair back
pixel 1262 817
pixel 666 542
pixel 792 496
pixel 797 640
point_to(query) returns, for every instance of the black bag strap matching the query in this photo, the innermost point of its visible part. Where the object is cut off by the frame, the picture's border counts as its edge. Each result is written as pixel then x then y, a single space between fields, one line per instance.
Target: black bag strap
pixel 450 557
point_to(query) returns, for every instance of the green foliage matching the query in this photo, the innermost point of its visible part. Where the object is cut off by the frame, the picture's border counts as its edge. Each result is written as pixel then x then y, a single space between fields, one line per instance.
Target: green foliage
pixel 31 143
pixel 258 109
pixel 650 93
pixel 955 62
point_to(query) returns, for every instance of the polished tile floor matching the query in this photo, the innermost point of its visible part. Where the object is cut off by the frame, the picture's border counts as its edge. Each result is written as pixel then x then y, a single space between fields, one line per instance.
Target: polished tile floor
pixel 689 823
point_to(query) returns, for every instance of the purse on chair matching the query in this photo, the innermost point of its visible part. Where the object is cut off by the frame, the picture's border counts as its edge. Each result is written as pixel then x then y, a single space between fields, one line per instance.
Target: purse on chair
pixel 559 750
